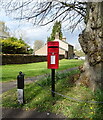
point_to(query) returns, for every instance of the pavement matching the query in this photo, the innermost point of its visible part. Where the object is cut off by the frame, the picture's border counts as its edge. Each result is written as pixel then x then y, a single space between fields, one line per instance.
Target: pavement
pixel 13 84
pixel 13 113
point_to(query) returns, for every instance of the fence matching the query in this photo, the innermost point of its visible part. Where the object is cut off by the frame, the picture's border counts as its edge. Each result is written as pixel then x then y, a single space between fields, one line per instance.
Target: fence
pixel 68 97
pixel 23 58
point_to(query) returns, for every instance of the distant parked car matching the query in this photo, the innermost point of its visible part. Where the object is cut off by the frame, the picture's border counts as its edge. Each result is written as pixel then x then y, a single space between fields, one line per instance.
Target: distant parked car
pixel 82 58
pixel 75 57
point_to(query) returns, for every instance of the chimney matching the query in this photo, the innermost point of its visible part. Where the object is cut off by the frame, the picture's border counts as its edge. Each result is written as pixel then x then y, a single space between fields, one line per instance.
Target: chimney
pixel 64 39
pixel 57 35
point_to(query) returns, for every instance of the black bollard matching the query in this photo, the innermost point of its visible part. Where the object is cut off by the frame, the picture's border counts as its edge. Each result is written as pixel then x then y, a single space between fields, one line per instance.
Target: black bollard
pixel 20 87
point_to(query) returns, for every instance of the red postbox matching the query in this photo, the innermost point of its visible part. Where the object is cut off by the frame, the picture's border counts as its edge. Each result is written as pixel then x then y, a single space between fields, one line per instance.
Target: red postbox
pixel 53 54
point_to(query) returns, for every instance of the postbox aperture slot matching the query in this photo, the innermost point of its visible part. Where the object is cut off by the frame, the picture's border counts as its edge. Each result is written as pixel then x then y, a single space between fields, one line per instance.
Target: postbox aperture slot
pixel 53 47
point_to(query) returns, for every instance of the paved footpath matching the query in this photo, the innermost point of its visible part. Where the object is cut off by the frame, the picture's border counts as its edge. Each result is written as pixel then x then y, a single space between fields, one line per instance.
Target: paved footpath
pixel 9 85
pixel 12 113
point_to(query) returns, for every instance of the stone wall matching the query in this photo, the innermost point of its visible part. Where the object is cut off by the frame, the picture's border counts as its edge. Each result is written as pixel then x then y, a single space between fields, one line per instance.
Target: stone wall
pixel 23 59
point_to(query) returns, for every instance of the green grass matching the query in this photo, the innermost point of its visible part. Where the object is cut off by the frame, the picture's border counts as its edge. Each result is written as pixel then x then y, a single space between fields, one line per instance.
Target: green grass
pixel 40 98
pixel 10 72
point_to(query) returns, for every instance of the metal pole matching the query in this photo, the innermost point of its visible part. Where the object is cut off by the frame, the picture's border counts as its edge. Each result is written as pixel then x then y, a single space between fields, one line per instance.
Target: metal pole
pixel 53 82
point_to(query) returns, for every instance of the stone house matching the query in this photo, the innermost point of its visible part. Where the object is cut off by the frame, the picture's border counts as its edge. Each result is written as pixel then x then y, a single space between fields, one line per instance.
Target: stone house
pixel 64 49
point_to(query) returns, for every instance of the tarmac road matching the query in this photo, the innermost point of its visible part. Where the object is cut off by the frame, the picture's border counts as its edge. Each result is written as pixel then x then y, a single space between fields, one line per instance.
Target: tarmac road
pixel 13 113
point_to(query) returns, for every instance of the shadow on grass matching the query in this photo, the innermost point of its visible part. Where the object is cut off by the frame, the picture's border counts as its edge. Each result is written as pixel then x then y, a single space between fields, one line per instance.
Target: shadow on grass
pixel 40 99
pixel 99 107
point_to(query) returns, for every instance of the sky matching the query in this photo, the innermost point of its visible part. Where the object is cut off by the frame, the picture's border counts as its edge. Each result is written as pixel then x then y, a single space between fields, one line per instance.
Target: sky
pixel 30 33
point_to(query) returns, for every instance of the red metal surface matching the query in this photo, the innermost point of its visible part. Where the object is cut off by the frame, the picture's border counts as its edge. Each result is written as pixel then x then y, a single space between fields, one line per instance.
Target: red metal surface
pixel 53 54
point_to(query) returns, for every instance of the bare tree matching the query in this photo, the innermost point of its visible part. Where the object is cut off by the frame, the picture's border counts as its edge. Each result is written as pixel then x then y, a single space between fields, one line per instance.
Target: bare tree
pixel 44 12
pixel 77 46
pixel 38 44
pixel 91 41
pixel 4 30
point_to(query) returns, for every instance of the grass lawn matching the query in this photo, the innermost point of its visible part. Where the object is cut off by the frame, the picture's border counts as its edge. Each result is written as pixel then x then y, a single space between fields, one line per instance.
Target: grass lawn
pixel 40 98
pixel 10 72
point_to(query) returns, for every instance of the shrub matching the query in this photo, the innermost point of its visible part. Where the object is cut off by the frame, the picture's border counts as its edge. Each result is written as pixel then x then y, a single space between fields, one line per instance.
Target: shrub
pixel 14 46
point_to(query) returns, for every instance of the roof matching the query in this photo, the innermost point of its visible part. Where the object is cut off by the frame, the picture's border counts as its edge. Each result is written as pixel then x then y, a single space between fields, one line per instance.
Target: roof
pixel 65 48
pixel 65 42
pixel 62 49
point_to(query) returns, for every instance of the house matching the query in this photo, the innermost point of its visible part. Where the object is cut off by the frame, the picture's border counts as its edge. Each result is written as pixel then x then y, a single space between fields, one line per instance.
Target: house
pixel 64 48
pixel 3 33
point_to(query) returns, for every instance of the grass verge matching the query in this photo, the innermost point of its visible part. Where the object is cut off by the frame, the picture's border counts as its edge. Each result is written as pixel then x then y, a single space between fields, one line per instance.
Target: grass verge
pixel 10 72
pixel 40 98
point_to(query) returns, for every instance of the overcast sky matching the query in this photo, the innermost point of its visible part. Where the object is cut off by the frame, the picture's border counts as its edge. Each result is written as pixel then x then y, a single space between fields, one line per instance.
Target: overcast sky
pixel 31 33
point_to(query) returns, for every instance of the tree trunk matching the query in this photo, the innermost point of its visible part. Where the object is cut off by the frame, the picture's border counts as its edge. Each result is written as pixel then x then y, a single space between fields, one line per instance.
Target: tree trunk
pixel 91 41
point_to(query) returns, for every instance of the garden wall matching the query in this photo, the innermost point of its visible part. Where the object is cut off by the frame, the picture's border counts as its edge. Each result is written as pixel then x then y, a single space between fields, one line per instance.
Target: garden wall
pixel 23 59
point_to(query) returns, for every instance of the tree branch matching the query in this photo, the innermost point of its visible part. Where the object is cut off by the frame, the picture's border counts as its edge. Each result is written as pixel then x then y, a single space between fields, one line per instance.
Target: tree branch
pixel 39 12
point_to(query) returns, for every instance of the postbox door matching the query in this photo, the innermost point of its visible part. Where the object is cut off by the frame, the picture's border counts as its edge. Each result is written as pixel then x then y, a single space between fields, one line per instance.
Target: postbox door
pixel 53 61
